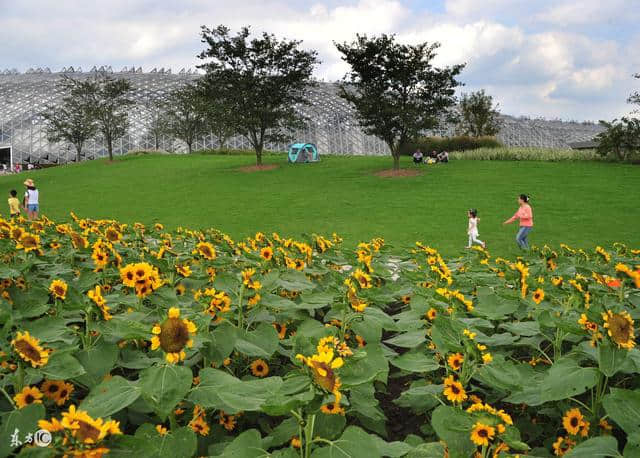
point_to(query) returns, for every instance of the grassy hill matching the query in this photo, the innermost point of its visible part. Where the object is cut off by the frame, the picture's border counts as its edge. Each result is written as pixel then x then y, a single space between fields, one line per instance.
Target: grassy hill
pixel 580 203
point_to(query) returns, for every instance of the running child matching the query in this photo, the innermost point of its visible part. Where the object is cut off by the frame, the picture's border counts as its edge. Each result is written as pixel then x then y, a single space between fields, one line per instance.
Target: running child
pixel 472 230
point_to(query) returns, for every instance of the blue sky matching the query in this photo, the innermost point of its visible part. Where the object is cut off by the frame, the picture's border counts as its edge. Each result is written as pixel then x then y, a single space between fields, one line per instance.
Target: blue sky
pixel 568 59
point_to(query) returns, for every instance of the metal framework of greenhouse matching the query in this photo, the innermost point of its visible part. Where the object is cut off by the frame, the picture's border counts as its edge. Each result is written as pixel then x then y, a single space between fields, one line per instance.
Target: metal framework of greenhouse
pixel 331 125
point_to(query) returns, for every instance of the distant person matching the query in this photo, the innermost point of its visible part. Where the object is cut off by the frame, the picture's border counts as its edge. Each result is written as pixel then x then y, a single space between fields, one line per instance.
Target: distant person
pixel 30 166
pixel 472 229
pixel 31 199
pixel 14 204
pixel 443 156
pixel 418 157
pixel 17 168
pixel 525 215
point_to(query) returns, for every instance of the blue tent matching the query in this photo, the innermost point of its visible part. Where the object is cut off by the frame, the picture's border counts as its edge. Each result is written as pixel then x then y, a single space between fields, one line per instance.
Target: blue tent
pixel 303 152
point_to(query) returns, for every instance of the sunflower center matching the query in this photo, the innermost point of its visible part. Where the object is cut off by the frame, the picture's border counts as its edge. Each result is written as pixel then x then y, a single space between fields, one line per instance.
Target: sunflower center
pixel 28 399
pixel 26 349
pixel 174 335
pixel 53 388
pixel 574 422
pixel 259 367
pixel 483 433
pixel 63 394
pixel 87 431
pixel 59 290
pixel 455 389
pixel 620 328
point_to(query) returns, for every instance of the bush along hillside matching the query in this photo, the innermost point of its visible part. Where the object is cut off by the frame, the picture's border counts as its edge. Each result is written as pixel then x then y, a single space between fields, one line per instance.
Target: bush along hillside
pixel 131 340
pixel 459 143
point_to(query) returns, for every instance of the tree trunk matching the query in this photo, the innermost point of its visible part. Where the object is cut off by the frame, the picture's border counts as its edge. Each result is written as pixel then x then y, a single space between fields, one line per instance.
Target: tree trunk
pixel 189 147
pixel 259 156
pixel 396 161
pixel 155 138
pixel 110 149
pixel 78 151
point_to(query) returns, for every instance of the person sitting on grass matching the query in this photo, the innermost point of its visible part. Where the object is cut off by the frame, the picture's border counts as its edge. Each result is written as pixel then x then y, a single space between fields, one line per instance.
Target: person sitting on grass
pixel 14 204
pixel 443 156
pixel 418 157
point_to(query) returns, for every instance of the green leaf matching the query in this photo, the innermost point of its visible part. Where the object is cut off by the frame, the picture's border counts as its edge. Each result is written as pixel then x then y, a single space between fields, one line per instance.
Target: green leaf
pixel 492 306
pixel 24 421
pixel 564 379
pixel 610 358
pixel 293 280
pixel 420 397
pixel 354 443
pixel 452 426
pixel 220 390
pixel 415 361
pixel 129 326
pixel 110 396
pixel 445 333
pixel 623 406
pixel 262 342
pixel 62 366
pixel 366 365
pixel 522 328
pixel 314 301
pixel 31 303
pixel 632 449
pixel 221 343
pixel 430 450
pixel 329 426
pixel 602 446
pixel 408 339
pixel 246 445
pixel 97 361
pixel 163 387
pixel 178 443
pixel 50 329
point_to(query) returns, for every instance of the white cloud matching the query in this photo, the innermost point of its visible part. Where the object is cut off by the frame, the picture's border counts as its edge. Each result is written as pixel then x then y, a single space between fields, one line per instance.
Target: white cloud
pixel 543 57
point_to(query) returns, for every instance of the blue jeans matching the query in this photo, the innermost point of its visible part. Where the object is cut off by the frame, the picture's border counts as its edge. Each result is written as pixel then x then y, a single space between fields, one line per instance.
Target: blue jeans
pixel 521 237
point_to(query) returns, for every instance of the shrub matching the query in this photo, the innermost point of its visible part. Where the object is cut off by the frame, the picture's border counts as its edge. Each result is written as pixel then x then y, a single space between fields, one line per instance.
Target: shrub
pixel 459 143
pixel 527 154
pixel 621 140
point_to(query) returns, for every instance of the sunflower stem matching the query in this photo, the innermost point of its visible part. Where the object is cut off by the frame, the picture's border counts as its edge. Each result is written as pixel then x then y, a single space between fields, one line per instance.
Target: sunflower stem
pixel 19 378
pixel 240 310
pixel 172 421
pixel 6 395
pixel 308 435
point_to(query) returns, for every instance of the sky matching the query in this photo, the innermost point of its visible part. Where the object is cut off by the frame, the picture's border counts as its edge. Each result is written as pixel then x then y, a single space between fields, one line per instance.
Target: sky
pixel 568 59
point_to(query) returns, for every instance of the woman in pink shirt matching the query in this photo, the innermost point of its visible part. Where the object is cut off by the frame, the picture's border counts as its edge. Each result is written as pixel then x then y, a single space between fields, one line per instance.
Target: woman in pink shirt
pixel 525 215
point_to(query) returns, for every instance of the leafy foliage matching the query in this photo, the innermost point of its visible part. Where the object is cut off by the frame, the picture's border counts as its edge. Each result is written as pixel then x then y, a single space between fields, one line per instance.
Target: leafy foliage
pixel 133 339
pixel 621 140
pixel 257 81
pixel 395 88
pixel 185 114
pixel 478 116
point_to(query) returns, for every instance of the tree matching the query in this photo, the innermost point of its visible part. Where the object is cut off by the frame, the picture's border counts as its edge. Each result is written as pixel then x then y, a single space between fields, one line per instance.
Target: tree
pixel 71 120
pixel 622 138
pixel 635 96
pixel 158 122
pixel 479 117
pixel 397 92
pixel 186 114
pixel 261 81
pixel 219 114
pixel 109 104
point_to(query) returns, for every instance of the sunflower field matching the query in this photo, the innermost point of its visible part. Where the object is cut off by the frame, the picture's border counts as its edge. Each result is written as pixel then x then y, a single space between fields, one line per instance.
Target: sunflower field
pixel 123 340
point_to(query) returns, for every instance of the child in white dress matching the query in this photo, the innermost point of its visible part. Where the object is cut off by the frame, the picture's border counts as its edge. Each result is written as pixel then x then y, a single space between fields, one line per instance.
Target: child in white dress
pixel 472 230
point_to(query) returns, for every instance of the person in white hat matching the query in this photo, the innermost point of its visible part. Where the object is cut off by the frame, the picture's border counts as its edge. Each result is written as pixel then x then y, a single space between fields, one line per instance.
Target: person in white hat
pixel 31 199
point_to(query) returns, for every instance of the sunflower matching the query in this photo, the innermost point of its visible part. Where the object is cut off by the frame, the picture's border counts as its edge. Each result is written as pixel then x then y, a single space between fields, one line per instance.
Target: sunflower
pixel 200 425
pixel 361 341
pixel 55 245
pixel 58 289
pixel 296 442
pixel 78 241
pixel 455 361
pixel 405 299
pixel 562 445
pixel 206 250
pixel 573 421
pixel 538 295
pixel 185 271
pixel 487 358
pixel 227 421
pixel 28 242
pixel 363 279
pixel 259 368
pixel 266 253
pixel 57 391
pixel 29 349
pixel 557 281
pixel 161 430
pixel 620 328
pixel 431 314
pixel 112 234
pixel 87 429
pixel 333 408
pixel 173 335
pixel 281 329
pixel 481 434
pixel 453 390
pixel 323 365
pixel 28 395
pixel 180 289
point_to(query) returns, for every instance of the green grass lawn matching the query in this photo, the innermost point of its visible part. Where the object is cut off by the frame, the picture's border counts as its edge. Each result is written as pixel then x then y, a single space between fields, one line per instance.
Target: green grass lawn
pixel 579 203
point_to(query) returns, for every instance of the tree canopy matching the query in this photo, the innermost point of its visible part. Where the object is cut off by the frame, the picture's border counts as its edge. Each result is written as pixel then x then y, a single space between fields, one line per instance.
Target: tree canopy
pixel 185 114
pixel 478 115
pixel 261 81
pixel 397 91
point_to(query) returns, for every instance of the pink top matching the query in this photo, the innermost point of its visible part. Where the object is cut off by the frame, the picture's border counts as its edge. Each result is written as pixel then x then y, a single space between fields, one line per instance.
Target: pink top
pixel 525 214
